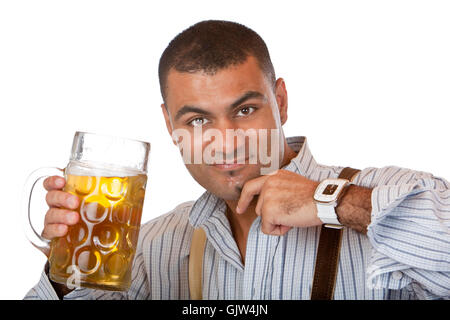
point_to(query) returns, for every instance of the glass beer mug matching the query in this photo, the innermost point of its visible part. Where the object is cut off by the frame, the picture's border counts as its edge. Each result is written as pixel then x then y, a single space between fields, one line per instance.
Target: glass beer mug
pixel 109 176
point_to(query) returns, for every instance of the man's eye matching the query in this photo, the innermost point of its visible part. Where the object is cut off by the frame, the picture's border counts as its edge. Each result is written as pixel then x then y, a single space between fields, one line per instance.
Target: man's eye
pixel 198 122
pixel 245 111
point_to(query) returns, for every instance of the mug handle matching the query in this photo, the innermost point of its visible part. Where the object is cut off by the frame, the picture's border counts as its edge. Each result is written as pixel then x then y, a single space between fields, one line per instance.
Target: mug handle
pixel 33 236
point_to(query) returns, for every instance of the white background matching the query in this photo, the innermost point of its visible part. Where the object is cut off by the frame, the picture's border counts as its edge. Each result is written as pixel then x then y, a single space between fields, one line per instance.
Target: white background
pixel 368 84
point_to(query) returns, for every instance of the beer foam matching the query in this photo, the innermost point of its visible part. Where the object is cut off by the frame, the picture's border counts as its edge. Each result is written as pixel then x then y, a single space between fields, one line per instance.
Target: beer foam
pixel 95 171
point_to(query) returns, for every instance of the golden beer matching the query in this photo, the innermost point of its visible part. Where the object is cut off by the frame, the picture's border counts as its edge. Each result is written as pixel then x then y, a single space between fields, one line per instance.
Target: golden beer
pixel 98 251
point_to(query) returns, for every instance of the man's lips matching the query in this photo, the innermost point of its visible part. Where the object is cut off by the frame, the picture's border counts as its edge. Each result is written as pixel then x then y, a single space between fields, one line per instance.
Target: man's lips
pixel 230 165
pixel 227 167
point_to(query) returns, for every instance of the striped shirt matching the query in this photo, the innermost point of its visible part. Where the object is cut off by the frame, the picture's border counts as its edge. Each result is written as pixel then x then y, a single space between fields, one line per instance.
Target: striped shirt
pixel 405 254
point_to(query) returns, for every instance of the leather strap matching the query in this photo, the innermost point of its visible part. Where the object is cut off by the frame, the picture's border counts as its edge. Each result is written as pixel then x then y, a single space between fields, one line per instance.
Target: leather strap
pixel 196 263
pixel 327 259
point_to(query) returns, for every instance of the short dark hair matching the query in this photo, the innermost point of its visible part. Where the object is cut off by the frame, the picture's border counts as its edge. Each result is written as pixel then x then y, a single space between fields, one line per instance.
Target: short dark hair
pixel 213 45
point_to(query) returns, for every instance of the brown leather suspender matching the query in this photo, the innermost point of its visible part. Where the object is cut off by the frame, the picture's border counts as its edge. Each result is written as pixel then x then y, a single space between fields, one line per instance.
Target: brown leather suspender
pixel 198 243
pixel 327 259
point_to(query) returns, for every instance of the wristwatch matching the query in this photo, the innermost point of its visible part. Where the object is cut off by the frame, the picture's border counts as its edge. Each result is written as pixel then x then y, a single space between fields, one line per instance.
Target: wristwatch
pixel 327 196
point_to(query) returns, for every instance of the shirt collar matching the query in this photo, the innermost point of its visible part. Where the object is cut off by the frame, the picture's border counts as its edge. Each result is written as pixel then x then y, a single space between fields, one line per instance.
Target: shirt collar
pixel 209 205
pixel 304 162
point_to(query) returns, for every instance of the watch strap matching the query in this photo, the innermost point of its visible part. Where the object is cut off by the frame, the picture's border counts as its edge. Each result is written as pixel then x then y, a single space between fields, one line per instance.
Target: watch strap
pixel 327 258
pixel 348 174
pixel 328 215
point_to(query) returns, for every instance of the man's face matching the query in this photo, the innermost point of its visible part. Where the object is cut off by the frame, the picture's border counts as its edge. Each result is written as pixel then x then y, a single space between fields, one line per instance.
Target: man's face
pixel 209 107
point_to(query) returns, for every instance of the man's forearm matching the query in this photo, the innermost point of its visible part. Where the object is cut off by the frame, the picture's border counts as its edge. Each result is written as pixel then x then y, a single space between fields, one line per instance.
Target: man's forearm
pixel 355 207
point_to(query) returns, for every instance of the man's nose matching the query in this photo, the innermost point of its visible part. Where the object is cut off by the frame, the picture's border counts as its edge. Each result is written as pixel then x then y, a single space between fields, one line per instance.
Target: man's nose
pixel 232 137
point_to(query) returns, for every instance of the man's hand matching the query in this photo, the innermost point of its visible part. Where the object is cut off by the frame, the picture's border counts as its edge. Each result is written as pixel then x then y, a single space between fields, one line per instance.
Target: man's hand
pixel 61 204
pixel 285 201
pixel 58 218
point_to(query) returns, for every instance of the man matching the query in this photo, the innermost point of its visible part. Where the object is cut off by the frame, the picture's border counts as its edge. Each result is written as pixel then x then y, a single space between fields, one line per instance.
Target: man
pixel 263 229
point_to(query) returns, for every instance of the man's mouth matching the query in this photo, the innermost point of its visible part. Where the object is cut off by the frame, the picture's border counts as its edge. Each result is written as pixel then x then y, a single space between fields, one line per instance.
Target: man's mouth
pixel 235 164
pixel 227 167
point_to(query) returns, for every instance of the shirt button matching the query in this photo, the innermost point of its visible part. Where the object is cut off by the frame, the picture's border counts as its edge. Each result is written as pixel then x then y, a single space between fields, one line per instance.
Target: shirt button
pixel 397 275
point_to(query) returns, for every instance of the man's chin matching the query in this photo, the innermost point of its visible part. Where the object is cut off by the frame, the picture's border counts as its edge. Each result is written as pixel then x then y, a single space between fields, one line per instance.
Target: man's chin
pixel 225 184
pixel 229 195
pixel 229 184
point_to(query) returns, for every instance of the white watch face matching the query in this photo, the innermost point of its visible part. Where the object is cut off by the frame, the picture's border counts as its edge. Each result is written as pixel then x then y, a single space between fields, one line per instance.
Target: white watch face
pixel 329 189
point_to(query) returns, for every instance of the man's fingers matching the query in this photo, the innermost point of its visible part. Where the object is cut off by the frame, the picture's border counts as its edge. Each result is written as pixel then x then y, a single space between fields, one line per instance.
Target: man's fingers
pixel 259 205
pixel 54 183
pixel 54 230
pixel 56 198
pixel 251 188
pixel 274 229
pixel 61 216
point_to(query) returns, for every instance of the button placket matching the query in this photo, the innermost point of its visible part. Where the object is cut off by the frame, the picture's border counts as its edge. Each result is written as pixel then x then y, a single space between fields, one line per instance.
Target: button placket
pixel 250 290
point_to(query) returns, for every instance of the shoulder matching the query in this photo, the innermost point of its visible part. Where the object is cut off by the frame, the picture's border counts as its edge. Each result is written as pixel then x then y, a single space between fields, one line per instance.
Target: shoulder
pixel 390 176
pixel 173 224
pixel 372 177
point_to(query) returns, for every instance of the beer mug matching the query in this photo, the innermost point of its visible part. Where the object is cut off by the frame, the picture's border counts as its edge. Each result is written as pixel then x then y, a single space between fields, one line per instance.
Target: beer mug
pixel 109 175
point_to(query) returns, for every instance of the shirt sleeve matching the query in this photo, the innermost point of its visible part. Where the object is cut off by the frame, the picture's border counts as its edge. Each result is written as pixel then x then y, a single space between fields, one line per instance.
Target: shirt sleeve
pixel 43 290
pixel 409 231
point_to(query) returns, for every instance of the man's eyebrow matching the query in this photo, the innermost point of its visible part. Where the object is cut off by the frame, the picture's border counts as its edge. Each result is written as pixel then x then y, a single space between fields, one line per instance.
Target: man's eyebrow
pixel 246 96
pixel 187 109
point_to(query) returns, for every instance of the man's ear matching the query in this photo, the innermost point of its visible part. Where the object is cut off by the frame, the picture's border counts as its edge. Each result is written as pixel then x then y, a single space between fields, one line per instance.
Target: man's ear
pixel 282 99
pixel 168 122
